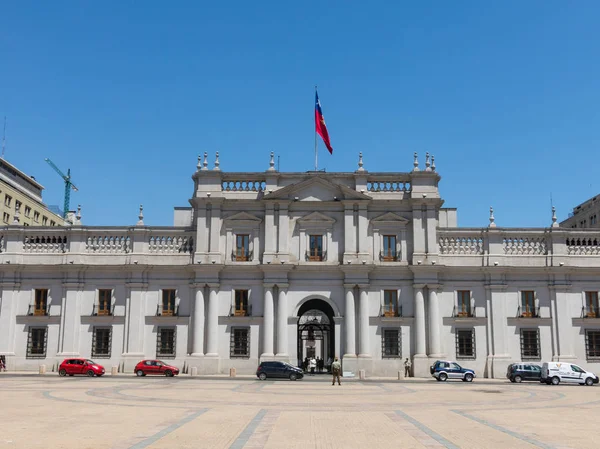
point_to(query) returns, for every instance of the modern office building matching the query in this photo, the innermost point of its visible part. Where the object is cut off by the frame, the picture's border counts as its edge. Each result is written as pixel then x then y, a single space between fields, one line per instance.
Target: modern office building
pixel 585 215
pixel 366 266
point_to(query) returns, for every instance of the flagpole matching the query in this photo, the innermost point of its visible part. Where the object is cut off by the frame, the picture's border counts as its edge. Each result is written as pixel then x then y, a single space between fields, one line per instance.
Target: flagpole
pixel 316 142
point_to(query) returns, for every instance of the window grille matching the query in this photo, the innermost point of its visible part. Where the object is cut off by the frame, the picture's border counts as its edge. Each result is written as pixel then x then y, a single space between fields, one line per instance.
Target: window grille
pixel 592 345
pixel 37 342
pixel 101 342
pixel 530 344
pixel 240 342
pixel 391 343
pixel 165 342
pixel 465 344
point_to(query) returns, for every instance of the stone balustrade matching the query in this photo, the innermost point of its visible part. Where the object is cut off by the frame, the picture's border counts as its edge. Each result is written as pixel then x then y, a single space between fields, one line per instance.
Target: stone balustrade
pixel 525 245
pixel 587 244
pixel 108 244
pixel 381 184
pixel 243 186
pixel 41 242
pixel 171 244
pixel 457 243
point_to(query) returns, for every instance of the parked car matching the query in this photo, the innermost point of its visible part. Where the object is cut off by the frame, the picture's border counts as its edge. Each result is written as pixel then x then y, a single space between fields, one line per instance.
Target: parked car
pixel 155 367
pixel 280 370
pixel 84 367
pixel 557 372
pixel 518 372
pixel 443 370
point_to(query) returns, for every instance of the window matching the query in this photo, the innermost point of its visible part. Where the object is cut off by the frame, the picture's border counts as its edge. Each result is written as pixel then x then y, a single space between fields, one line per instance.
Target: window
pixel 527 304
pixel 7 200
pixel 592 344
pixel 45 221
pixel 52 223
pixel 593 220
pixel 104 301
pixel 241 303
pixel 390 303
pixel 530 344
pixel 36 342
pixel 168 303
pixel 591 305
pixel 391 343
pixel 40 302
pixel 6 217
pixel 165 342
pixel 464 303
pixel 101 340
pixel 242 247
pixel 17 205
pixel 36 217
pixel 465 343
pixel 27 211
pixel 316 248
pixel 240 342
pixel 389 248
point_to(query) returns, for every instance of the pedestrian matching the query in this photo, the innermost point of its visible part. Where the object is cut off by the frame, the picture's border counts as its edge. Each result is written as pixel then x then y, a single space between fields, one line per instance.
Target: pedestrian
pixel 336 369
pixel 407 366
pixel 313 364
pixel 2 363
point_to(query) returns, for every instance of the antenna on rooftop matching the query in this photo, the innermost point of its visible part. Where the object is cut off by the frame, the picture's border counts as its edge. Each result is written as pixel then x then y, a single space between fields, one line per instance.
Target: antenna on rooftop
pixel 4 138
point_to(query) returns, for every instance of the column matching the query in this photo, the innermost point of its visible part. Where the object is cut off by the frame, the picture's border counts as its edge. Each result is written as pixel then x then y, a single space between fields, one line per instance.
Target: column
pixel 201 234
pixel 418 232
pixel 434 323
pixel 282 328
pixel 215 228
pixel 283 229
pixel 198 329
pixel 337 337
pixel 350 324
pixel 419 321
pixel 269 229
pixel 8 312
pixel 267 327
pixel 561 324
pixel 432 244
pixel 212 322
pixel 364 349
pixel 363 224
pixel 70 319
pixel 349 231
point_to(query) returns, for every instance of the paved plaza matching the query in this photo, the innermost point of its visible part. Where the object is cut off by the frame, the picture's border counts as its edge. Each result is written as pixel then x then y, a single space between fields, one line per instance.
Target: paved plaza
pixel 170 413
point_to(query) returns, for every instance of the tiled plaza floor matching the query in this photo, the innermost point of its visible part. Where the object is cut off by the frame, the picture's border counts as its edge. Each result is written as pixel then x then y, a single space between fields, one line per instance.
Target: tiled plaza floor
pixel 160 413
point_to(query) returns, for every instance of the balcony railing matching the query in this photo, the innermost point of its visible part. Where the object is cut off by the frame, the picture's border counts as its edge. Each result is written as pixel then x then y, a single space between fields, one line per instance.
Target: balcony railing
pixel 587 312
pixel 390 312
pixel 318 256
pixel 528 312
pixel 98 311
pixel 167 312
pixel 38 311
pixel 459 312
pixel 388 256
pixel 240 312
pixel 241 256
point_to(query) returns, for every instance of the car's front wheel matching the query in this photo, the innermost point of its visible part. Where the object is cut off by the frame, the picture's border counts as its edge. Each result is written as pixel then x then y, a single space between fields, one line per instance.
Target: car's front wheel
pixel 139 373
pixel 518 379
pixel 443 377
pixel 468 377
pixel 293 376
pixel 90 373
pixel 262 376
pixel 169 373
pixel 62 373
pixel 589 382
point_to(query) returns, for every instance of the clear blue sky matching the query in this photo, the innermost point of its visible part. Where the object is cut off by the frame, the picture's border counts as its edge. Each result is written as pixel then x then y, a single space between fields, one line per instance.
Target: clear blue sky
pixel 127 94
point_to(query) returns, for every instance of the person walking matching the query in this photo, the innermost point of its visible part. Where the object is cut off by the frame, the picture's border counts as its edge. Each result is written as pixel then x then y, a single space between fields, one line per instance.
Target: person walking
pixel 313 364
pixel 336 370
pixel 2 363
pixel 407 366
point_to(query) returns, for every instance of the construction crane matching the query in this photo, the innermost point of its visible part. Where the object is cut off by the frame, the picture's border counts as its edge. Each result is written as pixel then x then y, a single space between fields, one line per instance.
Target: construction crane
pixel 68 185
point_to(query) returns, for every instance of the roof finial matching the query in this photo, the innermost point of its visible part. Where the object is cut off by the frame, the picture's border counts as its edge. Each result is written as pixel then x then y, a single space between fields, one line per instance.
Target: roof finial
pixel 272 162
pixel 199 166
pixel 427 164
pixel 432 162
pixel 554 223
pixel 217 163
pixel 141 216
pixel 360 162
pixel 78 215
pixel 492 219
pixel 416 163
pixel 205 162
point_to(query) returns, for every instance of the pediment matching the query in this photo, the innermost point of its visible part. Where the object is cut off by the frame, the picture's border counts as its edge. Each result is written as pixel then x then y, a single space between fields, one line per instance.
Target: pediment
pixel 316 188
pixel 243 217
pixel 390 218
pixel 316 218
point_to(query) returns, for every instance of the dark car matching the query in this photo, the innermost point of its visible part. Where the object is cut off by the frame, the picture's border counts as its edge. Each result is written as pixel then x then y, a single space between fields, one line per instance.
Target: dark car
pixel 518 372
pixel 279 370
pixel 443 370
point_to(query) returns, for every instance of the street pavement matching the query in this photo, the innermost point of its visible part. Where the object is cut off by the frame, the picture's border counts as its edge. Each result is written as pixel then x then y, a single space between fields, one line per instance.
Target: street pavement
pixel 125 412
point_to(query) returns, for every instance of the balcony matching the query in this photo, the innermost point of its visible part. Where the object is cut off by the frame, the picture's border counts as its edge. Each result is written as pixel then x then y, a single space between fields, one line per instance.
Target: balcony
pixel 38 311
pixel 388 256
pixel 590 312
pixel 316 256
pixel 461 312
pixel 528 312
pixel 388 311
pixel 241 256
pixel 235 312
pixel 104 311
pixel 172 311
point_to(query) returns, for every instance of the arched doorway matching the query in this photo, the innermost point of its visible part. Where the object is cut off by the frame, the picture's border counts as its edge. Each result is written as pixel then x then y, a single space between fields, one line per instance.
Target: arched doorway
pixel 316 336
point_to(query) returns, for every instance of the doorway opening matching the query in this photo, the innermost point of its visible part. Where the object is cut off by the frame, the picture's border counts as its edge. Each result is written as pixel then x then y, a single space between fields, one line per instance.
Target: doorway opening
pixel 316 336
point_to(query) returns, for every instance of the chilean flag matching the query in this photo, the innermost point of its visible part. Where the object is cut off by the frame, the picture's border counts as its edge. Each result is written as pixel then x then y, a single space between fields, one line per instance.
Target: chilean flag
pixel 320 126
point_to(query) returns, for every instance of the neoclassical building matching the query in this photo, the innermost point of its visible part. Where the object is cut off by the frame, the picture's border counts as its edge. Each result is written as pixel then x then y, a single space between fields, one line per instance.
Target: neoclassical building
pixel 366 266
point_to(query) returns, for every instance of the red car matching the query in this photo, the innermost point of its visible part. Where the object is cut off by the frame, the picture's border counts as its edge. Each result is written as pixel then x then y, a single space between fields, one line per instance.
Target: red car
pixel 155 367
pixel 80 366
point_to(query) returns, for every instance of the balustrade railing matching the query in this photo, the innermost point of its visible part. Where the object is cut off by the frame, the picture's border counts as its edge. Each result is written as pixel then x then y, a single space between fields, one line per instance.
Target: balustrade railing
pixel 456 244
pixel 108 244
pixel 528 312
pixel 243 186
pixel 103 311
pixel 589 312
pixel 240 312
pixel 171 244
pixel 583 246
pixel 388 256
pixel 172 311
pixel 241 256
pixel 390 311
pixel 388 186
pixel 460 312
pixel 32 310
pixel 525 245
pixel 316 256
pixel 45 244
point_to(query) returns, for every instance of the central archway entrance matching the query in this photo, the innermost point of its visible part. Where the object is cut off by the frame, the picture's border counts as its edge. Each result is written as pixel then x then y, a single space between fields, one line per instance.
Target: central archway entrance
pixel 316 336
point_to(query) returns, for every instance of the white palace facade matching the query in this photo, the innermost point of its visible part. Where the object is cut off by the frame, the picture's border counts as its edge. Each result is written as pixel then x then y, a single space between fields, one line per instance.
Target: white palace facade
pixel 280 266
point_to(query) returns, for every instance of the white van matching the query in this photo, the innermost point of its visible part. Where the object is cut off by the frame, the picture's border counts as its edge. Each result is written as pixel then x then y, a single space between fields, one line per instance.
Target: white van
pixel 557 372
